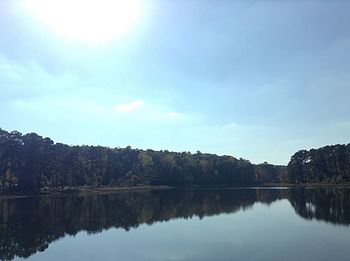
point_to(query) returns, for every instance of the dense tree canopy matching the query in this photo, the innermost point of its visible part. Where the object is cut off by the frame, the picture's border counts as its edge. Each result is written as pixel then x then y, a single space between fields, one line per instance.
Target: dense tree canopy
pixel 32 163
pixel 330 164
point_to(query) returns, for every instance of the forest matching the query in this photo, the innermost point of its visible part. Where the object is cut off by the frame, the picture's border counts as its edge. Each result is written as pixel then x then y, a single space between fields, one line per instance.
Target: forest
pixel 32 163
pixel 329 164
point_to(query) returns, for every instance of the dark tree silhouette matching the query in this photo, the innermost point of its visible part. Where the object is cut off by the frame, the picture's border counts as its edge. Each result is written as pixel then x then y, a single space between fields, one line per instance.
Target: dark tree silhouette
pixel 31 163
pixel 330 164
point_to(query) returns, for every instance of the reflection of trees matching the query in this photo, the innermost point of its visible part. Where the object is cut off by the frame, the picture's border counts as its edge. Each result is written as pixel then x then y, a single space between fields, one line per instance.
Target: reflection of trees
pixel 29 225
pixel 330 205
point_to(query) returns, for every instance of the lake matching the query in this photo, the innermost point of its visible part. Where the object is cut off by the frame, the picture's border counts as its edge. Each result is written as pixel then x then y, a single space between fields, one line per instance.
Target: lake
pixel 201 224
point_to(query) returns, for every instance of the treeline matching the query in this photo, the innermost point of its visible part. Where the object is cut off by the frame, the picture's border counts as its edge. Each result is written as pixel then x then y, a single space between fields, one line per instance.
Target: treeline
pixel 32 163
pixel 330 164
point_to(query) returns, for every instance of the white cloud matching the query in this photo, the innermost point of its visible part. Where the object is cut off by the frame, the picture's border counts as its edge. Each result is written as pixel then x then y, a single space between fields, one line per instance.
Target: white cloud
pixel 161 114
pixel 129 106
pixel 174 114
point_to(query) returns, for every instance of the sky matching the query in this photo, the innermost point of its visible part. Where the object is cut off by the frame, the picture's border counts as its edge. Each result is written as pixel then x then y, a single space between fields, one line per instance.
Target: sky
pixel 253 79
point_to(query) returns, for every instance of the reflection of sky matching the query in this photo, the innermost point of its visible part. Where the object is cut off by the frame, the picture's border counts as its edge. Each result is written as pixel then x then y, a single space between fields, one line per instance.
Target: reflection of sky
pixel 263 232
pixel 254 79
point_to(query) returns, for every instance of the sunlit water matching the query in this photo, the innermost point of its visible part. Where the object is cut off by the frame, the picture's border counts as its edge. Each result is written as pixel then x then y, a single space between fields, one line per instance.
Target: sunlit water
pixel 236 224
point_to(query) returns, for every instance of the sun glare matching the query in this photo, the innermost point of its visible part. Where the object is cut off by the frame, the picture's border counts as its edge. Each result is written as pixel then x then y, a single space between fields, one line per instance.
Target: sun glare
pixel 89 21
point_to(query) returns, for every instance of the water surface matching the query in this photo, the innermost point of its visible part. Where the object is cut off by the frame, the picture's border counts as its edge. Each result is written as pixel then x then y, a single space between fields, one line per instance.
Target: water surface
pixel 215 224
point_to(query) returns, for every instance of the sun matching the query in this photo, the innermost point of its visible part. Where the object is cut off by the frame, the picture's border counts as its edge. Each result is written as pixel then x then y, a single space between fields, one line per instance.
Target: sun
pixel 88 21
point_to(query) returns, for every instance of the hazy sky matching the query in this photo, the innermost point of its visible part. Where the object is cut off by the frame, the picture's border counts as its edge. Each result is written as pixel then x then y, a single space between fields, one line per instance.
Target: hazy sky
pixel 252 79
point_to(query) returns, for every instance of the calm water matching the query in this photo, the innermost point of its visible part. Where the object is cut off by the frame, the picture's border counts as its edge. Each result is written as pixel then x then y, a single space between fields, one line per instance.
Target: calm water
pixel 230 224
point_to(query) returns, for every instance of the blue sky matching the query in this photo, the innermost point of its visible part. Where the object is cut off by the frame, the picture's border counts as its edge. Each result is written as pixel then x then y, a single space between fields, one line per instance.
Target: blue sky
pixel 252 79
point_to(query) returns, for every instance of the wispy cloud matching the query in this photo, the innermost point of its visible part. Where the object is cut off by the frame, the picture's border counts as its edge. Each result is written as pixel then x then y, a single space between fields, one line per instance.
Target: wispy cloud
pixel 9 70
pixel 129 106
pixel 27 79
pixel 174 114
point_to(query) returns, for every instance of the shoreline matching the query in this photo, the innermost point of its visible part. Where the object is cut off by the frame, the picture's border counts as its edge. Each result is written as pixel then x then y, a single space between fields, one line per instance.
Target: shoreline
pixel 85 190
pixel 109 190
